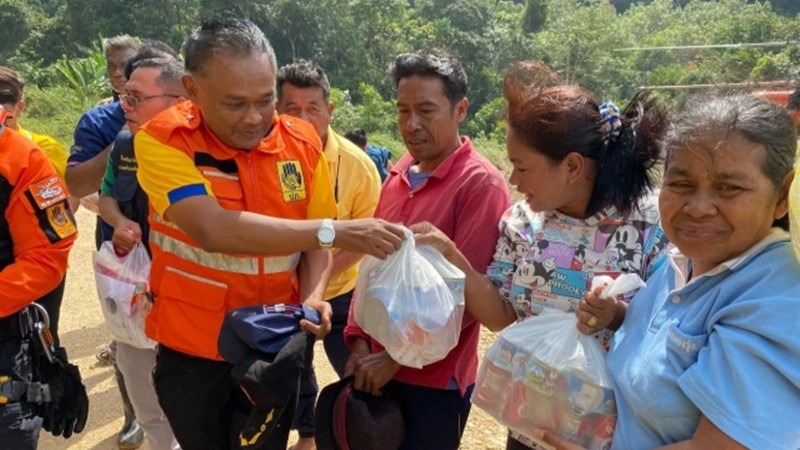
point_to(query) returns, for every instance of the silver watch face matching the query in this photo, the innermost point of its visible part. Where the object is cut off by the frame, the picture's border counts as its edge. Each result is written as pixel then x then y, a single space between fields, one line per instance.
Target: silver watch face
pixel 325 235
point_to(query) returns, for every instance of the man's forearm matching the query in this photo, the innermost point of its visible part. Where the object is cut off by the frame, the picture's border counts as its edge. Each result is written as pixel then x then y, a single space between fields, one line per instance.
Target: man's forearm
pixel 228 231
pixel 343 260
pixel 85 178
pixel 109 210
pixel 314 270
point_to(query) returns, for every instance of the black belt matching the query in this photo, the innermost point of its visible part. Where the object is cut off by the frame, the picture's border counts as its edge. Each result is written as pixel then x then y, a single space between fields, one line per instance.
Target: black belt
pixel 10 328
pixel 14 391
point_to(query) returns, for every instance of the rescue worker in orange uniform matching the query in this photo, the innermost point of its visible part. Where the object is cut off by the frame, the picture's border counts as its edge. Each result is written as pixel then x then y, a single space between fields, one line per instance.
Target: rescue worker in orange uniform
pixel 12 99
pixel 223 174
pixel 36 234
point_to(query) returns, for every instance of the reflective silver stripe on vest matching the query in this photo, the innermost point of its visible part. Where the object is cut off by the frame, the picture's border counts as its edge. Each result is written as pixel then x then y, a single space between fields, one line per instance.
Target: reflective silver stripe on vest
pixel 219 261
pixel 278 264
pixel 161 221
pixel 197 278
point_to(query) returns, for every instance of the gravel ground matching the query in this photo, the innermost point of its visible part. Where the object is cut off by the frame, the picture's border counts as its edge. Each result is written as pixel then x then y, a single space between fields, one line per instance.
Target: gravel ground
pixel 83 331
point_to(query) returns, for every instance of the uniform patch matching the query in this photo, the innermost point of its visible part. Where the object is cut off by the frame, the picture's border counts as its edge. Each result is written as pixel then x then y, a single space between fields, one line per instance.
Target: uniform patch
pixel 292 184
pixel 60 220
pixel 48 192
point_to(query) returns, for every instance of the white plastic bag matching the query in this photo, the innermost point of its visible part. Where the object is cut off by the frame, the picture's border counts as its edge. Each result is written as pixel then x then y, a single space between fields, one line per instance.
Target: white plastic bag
pixel 412 303
pixel 542 373
pixel 122 287
pixel 625 283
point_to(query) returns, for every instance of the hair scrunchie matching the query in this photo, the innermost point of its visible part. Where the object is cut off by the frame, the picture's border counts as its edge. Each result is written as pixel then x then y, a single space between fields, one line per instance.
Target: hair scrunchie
pixel 611 124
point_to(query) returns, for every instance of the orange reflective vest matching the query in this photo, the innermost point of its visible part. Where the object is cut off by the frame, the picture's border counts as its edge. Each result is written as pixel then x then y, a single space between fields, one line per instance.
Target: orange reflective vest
pixel 193 288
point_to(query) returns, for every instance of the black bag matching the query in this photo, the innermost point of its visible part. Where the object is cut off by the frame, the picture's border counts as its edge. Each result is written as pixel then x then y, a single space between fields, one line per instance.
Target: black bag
pixel 271 384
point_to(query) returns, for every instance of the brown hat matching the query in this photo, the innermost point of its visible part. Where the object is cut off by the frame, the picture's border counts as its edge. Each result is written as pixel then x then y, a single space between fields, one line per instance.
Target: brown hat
pixel 347 419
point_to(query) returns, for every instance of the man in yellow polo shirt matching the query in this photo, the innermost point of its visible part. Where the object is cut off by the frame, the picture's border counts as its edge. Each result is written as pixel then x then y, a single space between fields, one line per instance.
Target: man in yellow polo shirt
pixel 223 174
pixel 304 92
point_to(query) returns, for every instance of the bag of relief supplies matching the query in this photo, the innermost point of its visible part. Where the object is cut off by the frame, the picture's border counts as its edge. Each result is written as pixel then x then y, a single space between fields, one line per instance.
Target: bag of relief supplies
pixel 122 287
pixel 542 373
pixel 412 303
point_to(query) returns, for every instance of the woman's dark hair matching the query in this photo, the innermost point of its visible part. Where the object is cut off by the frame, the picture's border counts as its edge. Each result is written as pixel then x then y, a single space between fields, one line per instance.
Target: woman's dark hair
pixel 558 120
pixel 730 114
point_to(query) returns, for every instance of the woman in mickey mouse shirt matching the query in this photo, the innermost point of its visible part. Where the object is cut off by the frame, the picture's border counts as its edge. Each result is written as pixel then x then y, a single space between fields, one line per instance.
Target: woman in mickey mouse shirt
pixel 586 171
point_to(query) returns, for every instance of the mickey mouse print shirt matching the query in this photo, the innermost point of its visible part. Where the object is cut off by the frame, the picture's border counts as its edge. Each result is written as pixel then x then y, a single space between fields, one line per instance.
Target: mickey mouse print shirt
pixel 548 260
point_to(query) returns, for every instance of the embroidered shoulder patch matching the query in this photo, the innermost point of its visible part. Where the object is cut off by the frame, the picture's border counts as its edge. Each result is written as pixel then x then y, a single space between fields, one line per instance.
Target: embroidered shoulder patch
pixel 48 192
pixel 60 220
pixel 293 186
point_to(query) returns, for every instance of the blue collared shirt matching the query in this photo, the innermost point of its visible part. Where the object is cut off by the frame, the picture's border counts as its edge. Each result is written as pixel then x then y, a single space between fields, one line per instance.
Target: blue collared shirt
pixel 725 345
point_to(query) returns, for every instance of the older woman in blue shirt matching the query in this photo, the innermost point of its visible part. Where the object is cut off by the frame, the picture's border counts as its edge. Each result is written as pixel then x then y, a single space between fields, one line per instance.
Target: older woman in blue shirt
pixel 707 355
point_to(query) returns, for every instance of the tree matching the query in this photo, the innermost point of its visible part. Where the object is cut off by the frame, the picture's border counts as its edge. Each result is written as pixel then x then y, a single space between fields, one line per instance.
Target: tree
pixel 15 21
pixel 535 15
pixel 85 76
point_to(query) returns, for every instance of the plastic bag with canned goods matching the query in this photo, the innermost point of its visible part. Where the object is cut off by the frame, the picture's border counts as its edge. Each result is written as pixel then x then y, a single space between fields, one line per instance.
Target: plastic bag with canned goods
pixel 123 287
pixel 412 303
pixel 542 373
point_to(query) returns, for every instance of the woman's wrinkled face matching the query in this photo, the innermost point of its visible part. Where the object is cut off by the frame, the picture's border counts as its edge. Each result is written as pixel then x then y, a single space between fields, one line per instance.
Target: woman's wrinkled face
pixel 716 202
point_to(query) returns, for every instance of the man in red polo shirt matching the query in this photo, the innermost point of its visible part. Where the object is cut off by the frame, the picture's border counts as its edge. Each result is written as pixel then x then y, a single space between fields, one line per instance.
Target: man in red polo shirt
pixel 444 181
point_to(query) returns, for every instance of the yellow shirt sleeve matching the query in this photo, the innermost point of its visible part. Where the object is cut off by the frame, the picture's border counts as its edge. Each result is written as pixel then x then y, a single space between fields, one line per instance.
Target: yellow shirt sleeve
pixel 321 204
pixel 55 152
pixel 794 212
pixel 166 174
pixel 364 192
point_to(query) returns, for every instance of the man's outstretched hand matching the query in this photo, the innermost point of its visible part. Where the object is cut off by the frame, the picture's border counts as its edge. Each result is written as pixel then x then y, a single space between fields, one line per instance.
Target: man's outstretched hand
pixel 375 237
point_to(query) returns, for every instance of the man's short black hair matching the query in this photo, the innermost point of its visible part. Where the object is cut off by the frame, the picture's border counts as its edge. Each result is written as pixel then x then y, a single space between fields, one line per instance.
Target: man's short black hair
pixel 234 37
pixel 171 73
pixel 357 136
pixel 433 63
pixel 303 74
pixel 152 49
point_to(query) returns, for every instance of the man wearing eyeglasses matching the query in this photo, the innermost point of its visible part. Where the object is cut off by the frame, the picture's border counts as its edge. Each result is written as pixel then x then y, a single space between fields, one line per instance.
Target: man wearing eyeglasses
pixel 154 86
pixel 94 136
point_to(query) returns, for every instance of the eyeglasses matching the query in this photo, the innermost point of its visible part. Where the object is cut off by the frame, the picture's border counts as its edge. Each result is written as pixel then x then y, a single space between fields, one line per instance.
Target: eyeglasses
pixel 133 102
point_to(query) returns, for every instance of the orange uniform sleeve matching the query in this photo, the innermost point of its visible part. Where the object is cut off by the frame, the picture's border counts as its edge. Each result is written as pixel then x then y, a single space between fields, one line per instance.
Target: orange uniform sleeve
pixel 40 225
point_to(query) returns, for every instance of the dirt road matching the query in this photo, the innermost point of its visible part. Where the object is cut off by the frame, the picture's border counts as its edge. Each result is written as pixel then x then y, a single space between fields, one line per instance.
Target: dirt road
pixel 83 331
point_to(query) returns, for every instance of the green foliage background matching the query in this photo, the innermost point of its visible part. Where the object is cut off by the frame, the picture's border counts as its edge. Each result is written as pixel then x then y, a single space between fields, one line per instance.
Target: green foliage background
pixel 54 44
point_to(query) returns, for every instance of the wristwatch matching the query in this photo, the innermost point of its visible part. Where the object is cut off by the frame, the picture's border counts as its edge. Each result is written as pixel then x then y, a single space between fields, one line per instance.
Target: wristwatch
pixel 326 234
